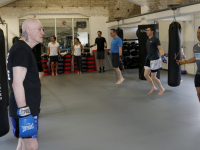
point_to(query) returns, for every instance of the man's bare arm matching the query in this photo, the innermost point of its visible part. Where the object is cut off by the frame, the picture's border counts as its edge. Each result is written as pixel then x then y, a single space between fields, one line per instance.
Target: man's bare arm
pixel 19 74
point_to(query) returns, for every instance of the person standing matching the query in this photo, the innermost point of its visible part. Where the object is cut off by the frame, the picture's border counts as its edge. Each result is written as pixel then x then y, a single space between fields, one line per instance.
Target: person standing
pixel 196 58
pixel 116 51
pixel 101 44
pixel 24 82
pixel 153 61
pixel 76 51
pixel 53 50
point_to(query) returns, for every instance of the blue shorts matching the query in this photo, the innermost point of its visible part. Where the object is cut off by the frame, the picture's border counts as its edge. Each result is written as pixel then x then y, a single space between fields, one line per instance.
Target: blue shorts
pixel 15 126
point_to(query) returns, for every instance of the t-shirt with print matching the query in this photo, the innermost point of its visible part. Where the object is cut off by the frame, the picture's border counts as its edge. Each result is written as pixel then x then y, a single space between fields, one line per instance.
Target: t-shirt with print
pixel 152 49
pixel 196 50
pixel 21 55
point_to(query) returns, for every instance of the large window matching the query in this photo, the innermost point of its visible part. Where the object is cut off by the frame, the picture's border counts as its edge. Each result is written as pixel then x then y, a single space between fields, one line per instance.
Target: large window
pixel 64 33
pixel 65 30
pixel 81 30
pixel 49 30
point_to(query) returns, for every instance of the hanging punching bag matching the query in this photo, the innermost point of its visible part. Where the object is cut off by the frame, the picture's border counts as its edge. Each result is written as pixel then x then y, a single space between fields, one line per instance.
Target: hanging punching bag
pixel 4 124
pixel 174 53
pixel 120 33
pixel 15 39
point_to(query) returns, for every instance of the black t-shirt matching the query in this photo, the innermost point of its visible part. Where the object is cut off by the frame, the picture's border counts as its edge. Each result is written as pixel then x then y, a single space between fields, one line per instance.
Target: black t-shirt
pixel 37 52
pixel 21 55
pixel 152 49
pixel 100 43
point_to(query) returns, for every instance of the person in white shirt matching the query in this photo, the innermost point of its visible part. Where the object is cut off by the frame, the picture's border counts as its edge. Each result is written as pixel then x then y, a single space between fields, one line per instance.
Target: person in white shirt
pixel 77 49
pixel 52 51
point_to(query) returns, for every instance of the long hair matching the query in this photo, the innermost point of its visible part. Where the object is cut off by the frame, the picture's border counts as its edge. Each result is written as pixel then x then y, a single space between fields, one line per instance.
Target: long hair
pixel 77 40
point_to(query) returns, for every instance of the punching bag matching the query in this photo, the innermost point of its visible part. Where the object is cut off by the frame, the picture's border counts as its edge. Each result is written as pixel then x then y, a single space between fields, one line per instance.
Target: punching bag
pixel 142 38
pixel 15 39
pixel 4 124
pixel 174 53
pixel 120 33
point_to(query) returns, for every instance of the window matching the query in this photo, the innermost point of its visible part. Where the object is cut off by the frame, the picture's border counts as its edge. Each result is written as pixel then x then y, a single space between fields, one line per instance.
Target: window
pixel 81 30
pixel 64 33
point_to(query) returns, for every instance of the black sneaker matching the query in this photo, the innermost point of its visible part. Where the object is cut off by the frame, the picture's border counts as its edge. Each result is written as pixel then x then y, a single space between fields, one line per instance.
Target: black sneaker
pixel 99 69
pixel 103 69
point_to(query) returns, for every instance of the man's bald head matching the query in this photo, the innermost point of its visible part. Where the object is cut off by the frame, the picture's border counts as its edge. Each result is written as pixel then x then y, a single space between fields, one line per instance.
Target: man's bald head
pixel 32 31
pixel 29 23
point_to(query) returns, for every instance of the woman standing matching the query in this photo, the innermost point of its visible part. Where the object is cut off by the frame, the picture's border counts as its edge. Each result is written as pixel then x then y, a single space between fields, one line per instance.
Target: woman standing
pixel 77 47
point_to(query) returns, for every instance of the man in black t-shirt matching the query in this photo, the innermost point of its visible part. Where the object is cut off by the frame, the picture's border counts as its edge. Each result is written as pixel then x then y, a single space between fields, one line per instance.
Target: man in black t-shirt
pixel 153 61
pixel 25 85
pixel 101 44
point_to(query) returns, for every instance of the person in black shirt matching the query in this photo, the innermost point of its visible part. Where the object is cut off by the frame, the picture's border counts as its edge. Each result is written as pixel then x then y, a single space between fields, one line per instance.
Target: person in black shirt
pixel 153 61
pixel 24 82
pixel 101 44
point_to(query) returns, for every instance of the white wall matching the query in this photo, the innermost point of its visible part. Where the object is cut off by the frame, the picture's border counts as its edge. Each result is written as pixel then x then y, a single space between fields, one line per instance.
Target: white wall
pixel 13 29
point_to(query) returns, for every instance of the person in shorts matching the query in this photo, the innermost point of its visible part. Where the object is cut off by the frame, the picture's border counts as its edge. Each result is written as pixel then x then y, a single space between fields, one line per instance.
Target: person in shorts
pixel 101 44
pixel 53 51
pixel 153 61
pixel 24 82
pixel 116 54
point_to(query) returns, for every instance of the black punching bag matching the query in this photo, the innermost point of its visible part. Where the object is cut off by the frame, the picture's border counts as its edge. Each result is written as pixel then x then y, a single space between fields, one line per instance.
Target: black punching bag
pixel 15 39
pixel 142 38
pixel 4 124
pixel 120 33
pixel 174 53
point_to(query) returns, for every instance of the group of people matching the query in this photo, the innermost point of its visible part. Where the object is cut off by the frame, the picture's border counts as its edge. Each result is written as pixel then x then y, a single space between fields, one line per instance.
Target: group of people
pixel 25 84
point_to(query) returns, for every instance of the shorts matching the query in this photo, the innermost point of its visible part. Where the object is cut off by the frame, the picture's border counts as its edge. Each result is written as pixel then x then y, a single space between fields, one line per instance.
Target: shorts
pixel 54 58
pixel 15 126
pixel 100 55
pixel 115 60
pixel 147 66
pixel 197 80
pixel 39 65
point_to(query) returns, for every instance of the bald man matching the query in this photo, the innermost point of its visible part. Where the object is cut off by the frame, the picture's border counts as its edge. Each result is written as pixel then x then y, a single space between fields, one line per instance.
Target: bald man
pixel 25 85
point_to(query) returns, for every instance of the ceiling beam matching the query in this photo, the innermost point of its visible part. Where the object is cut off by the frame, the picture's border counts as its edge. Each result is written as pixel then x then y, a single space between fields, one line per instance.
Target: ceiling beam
pixel 6 2
pixel 138 2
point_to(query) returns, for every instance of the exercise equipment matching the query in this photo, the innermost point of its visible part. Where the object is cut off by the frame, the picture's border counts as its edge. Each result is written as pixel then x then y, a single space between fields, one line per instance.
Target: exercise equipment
pixel 174 53
pixel 4 124
pixel 90 63
pixel 183 72
pixel 15 39
pixel 120 33
pixel 134 53
pixel 67 62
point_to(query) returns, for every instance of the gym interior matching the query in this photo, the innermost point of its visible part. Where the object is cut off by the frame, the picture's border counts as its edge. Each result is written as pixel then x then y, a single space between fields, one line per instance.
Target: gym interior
pixel 89 111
